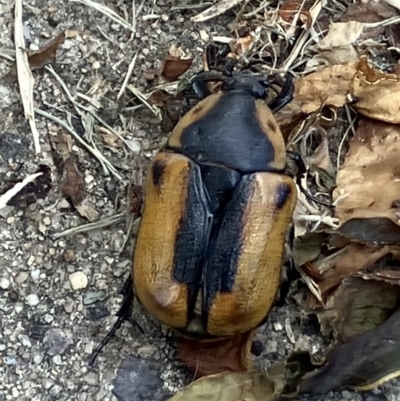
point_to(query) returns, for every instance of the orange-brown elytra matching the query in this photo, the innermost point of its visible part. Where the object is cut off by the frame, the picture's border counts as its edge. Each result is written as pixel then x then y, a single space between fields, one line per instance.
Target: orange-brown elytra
pixel 218 206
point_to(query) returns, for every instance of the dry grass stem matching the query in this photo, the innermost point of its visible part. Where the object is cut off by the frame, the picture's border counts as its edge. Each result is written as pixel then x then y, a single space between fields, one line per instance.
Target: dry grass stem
pixel 25 78
pixel 106 11
pixel 127 76
pixel 84 228
pixel 6 197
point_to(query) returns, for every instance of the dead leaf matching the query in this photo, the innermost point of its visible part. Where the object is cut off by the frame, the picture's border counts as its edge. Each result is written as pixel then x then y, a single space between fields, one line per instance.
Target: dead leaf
pixel 249 386
pixel 360 306
pixel 47 53
pixel 71 181
pixel 341 34
pixel 39 58
pixel 368 185
pixel 364 362
pixel 173 67
pixel 346 262
pixel 216 356
pixel 327 57
pixel 377 93
pixel 327 87
pixel 372 11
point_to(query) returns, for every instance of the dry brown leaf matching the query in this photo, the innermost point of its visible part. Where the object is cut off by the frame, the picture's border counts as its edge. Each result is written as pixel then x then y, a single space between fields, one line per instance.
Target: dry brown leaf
pixel 327 87
pixel 368 12
pixel 368 186
pixel 71 183
pixel 325 58
pixel 173 67
pixel 360 306
pixel 341 34
pixel 249 386
pixel 371 92
pixel 378 93
pixel 364 362
pixel 39 58
pixel 345 263
pixel 217 356
pixel 47 53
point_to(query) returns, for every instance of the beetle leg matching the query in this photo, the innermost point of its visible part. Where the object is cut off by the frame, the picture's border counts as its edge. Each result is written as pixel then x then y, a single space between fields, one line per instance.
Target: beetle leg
pixel 286 94
pixel 124 313
pixel 302 170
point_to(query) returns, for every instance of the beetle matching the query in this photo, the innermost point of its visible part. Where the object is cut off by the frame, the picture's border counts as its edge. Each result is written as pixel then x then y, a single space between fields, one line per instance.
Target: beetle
pixel 218 205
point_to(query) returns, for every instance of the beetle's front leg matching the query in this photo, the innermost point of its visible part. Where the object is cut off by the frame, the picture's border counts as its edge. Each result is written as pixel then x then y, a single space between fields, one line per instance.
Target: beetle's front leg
pixel 285 96
pixel 200 81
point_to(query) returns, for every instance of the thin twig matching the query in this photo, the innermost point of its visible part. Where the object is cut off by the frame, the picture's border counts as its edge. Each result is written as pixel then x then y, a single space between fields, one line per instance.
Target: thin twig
pixel 105 222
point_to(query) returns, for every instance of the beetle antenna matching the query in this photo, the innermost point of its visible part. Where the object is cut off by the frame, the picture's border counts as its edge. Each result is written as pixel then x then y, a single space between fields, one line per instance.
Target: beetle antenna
pixel 123 314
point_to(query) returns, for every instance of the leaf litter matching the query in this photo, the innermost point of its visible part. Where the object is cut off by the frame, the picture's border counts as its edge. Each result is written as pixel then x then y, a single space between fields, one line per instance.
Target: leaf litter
pixel 343 120
pixel 347 255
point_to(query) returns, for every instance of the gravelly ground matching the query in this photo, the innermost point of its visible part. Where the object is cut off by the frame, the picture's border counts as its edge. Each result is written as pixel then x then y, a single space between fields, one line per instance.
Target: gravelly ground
pixel 48 327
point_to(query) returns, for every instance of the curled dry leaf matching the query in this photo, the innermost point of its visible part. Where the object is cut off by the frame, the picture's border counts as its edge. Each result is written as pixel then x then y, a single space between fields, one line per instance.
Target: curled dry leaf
pixel 327 87
pixel 173 67
pixel 368 184
pixel 212 357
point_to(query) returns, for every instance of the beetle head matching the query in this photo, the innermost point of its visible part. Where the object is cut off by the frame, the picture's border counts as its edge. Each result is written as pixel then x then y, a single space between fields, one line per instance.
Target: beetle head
pixel 255 86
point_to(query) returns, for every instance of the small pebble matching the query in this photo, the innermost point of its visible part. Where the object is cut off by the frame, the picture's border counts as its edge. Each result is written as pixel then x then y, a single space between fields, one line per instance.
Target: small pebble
pixel 92 297
pixel 69 255
pixel 47 383
pixel 78 280
pixel 21 277
pixel 37 357
pixel 4 283
pixel 69 305
pixel 32 300
pixel 25 340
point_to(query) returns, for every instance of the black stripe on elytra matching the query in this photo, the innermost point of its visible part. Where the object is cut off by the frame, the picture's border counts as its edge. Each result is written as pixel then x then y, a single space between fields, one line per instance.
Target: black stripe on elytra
pixel 226 244
pixel 192 237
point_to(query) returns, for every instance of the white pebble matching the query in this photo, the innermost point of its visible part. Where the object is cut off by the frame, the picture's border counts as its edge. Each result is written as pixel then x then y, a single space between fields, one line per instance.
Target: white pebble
pixel 4 283
pixel 25 340
pixel 32 300
pixel 78 280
